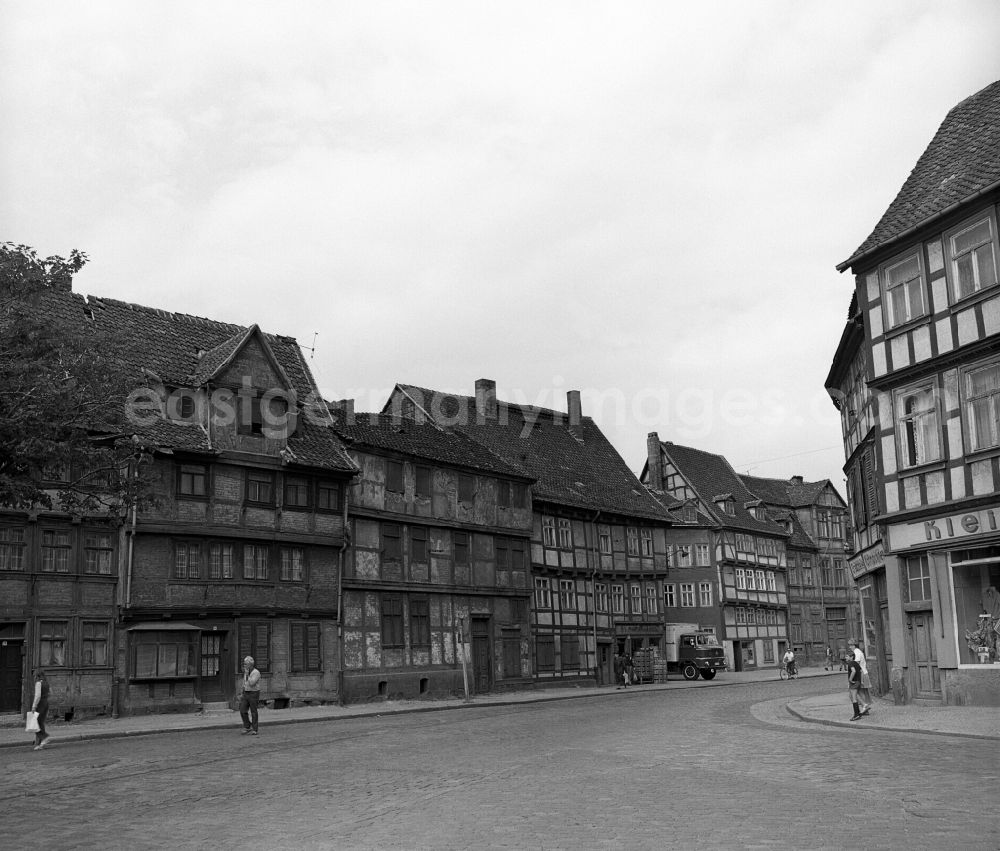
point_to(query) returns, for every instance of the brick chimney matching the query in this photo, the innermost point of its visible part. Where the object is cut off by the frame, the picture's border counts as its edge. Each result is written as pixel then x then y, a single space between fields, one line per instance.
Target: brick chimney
pixel 486 400
pixel 575 411
pixel 654 461
pixel 796 480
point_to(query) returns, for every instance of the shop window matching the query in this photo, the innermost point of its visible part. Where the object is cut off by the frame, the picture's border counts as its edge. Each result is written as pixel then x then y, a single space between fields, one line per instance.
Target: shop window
pixel 305 646
pixel 55 551
pixel 161 655
pixel 11 548
pixel 976 576
pixel 255 640
pixel 94 644
pixel 97 553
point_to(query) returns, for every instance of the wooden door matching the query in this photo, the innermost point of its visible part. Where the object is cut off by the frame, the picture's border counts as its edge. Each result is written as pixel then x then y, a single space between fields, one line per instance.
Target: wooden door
pixel 481 667
pixel 925 679
pixel 11 676
pixel 213 667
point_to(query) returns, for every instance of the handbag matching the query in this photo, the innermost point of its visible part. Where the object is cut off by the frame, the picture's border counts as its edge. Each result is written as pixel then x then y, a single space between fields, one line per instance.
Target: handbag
pixel 31 722
pixel 865 680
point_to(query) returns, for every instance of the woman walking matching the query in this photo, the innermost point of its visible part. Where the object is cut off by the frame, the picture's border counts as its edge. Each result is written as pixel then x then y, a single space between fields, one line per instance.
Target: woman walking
pixel 41 705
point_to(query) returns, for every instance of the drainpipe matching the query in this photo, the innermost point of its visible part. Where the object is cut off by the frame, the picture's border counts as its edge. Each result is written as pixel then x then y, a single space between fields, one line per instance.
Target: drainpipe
pixel 130 557
pixel 340 602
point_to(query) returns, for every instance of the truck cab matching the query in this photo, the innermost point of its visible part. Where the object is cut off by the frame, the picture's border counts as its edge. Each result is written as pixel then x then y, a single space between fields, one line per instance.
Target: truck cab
pixel 693 651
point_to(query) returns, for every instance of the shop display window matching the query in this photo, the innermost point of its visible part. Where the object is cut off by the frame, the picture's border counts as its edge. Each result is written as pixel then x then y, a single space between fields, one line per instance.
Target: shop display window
pixel 976 583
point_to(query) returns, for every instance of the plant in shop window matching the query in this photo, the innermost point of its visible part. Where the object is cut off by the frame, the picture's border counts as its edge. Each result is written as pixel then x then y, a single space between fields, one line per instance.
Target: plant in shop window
pixel 984 638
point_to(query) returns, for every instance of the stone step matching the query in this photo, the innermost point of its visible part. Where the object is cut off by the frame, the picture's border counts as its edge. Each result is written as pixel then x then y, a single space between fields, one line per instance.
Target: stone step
pixel 215 708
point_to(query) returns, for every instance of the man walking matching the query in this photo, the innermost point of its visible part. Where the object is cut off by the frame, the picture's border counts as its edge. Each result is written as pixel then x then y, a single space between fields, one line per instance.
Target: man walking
pixel 864 685
pixel 250 696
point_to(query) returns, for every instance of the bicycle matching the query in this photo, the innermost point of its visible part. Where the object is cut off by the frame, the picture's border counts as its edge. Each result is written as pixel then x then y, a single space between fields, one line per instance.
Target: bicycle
pixel 788 672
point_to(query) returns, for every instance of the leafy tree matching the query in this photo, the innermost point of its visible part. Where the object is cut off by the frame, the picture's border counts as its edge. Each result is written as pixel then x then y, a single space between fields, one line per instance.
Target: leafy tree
pixel 62 386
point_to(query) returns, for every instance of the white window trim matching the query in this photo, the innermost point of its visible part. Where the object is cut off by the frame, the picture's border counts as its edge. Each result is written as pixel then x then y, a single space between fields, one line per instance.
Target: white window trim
pixel 899 419
pixel 883 270
pixel 967 418
pixel 946 240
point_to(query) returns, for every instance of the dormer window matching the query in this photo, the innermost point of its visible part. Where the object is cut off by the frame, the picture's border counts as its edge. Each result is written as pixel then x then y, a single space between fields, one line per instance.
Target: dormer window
pixel 726 504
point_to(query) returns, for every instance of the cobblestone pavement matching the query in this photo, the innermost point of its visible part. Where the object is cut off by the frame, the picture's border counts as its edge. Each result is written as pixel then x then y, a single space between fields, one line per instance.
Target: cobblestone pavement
pixel 687 768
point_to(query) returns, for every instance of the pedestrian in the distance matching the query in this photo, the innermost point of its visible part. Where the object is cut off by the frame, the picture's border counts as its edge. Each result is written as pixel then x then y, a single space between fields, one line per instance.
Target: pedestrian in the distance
pixel 619 671
pixel 864 690
pixel 854 685
pixel 41 705
pixel 250 696
pixel 629 670
pixel 829 659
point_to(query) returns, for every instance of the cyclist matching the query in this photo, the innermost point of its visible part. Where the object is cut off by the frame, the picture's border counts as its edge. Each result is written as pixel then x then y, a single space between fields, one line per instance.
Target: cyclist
pixel 788 660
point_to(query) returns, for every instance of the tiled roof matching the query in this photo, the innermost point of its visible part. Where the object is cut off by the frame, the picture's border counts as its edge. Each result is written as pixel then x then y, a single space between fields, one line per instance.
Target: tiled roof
pixel 712 475
pixel 169 347
pixel 422 440
pixel 794 494
pixel 580 470
pixel 799 537
pixel 960 162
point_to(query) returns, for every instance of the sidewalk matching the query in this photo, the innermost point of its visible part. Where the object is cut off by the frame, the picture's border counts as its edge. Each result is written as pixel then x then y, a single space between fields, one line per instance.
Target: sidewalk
pixel 824 709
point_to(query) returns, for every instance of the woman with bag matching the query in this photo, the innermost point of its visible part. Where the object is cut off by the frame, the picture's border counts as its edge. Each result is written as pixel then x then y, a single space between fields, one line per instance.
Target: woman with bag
pixel 41 706
pixel 864 692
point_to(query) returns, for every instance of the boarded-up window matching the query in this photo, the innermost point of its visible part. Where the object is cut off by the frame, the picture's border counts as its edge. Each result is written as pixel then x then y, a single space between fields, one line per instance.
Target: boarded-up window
pixel 418 544
pixel 511 639
pixel 305 646
pixel 420 623
pixel 392 622
pixel 392 547
pixel 394 476
pixel 255 640
pixel 545 654
pixel 569 653
pixel 466 488
pixel 461 540
pixel 423 481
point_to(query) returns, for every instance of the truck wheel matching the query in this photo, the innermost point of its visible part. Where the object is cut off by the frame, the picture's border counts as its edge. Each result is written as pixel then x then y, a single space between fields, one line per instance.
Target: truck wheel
pixel 690 672
pixel 708 674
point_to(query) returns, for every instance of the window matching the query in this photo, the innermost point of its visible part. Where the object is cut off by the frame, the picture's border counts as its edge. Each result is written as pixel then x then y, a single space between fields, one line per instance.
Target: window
pixel 823 523
pixel 904 290
pixel 604 538
pixel 255 562
pixel 11 548
pixel 701 555
pixel 917 427
pixel 420 623
pixel 741 615
pixel 601 593
pixel 461 540
pixel 543 596
pixel 249 419
pixel 836 619
pixel 394 476
pixel 807 577
pixel 94 644
pixel 518 610
pixel 52 643
pixel 772 582
pixel 255 640
pixel 768 651
pixel 549 531
pixel 166 654
pixel 973 265
pixel 187 560
pixel 652 601
pixel 744 543
pixel 618 599
pixel 683 555
pixel 511 644
pixel 392 622
pixel 751 582
pixel 837 526
pixel 761 581
pixel 466 488
pixel 565 534
pixel 97 552
pixel 839 573
pixel 192 480
pixel 687 595
pixel 918 579
pixel 260 487
pixel 292 564
pixel 55 551
pixel 632 536
pixel 826 571
pixel 569 652
pixel 327 496
pixel 422 481
pixel 305 646
pixel 518 560
pixel 646 536
pixel 669 596
pixel 545 652
pixel 519 495
pixel 418 544
pixel 793 575
pixel 567 595
pixel 981 388
pixel 220 561
pixel 636 601
pixel 704 594
pixel 296 494
pixel 741 578
pixel 392 542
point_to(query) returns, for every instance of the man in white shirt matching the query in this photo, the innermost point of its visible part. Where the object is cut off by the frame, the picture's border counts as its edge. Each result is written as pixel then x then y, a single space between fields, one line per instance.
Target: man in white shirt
pixel 864 693
pixel 789 662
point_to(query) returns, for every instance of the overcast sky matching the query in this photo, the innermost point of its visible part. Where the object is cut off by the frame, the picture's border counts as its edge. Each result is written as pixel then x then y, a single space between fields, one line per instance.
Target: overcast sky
pixel 642 201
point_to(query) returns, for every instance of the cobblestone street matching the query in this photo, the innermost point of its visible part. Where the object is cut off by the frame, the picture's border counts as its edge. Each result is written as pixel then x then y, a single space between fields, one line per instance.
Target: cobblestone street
pixel 695 768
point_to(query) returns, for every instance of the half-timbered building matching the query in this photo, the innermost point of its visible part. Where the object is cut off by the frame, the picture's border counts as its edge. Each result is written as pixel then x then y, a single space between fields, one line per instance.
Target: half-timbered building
pixel 598 538
pixel 439 566
pixel 928 296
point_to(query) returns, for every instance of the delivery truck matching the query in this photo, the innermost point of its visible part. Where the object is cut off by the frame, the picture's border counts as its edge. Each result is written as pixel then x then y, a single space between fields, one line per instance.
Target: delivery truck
pixel 691 651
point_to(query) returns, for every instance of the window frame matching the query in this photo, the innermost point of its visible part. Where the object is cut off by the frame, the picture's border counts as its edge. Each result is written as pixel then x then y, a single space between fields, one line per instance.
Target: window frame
pixel 252 550
pixel 688 598
pixel 950 261
pixel 968 400
pixel 302 488
pixel 305 636
pixel 324 488
pixel 420 622
pixel 13 548
pixel 286 560
pixel 460 544
pixel 391 532
pixel 258 646
pixel 221 547
pixel 96 641
pixel 705 595
pixel 907 429
pixel 256 478
pixel 54 637
pixel 604 539
pixel 567 595
pixel 395 478
pixel 565 530
pixel 466 488
pixel 601 598
pixel 392 621
pixel 915 252
pixel 419 545
pixel 543 592
pixel 632 540
pixel 617 598
pixel 60 553
pixel 423 476
pixel 102 551
pixel 669 595
pixel 186 547
pixel 193 473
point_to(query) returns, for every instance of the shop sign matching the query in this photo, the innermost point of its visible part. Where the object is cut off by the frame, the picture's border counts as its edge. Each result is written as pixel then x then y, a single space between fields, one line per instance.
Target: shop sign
pixel 867 561
pixel 940 530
